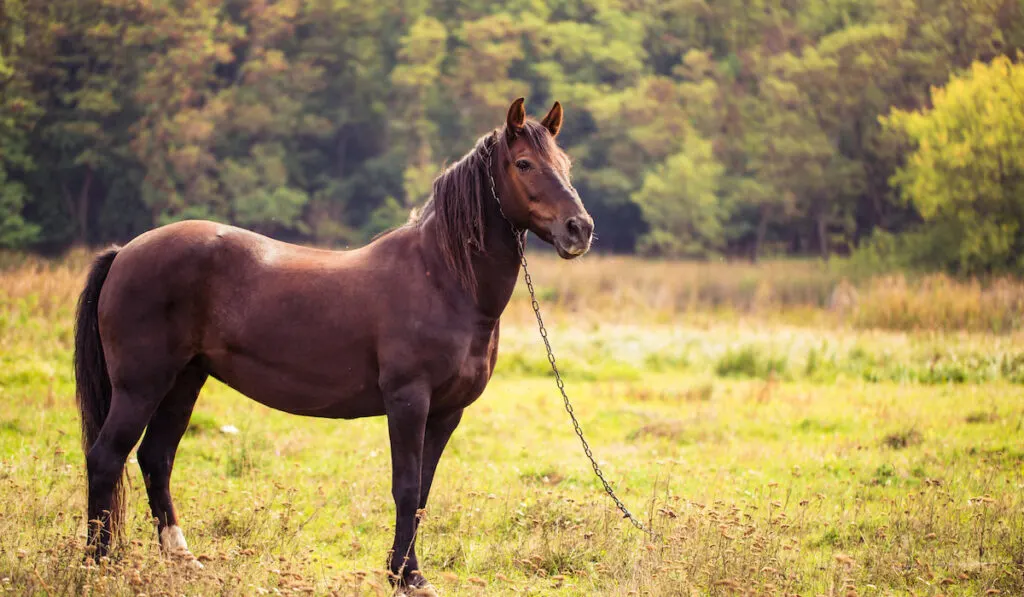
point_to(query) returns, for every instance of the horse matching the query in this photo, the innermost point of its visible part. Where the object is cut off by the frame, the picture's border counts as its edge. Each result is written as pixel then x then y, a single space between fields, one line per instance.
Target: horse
pixel 405 326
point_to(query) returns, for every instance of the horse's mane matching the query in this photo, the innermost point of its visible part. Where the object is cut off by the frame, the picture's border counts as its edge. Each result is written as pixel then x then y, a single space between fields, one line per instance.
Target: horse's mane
pixel 460 191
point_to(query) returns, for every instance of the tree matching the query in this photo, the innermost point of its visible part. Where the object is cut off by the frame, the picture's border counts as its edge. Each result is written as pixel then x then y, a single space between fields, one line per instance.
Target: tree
pixel 18 114
pixel 679 199
pixel 965 174
pixel 415 79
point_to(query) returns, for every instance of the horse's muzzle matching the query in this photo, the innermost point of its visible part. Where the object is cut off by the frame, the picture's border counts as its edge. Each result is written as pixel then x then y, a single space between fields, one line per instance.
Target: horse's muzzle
pixel 576 235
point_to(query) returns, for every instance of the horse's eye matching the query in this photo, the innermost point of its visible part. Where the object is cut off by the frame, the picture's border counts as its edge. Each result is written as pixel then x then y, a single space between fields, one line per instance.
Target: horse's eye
pixel 523 165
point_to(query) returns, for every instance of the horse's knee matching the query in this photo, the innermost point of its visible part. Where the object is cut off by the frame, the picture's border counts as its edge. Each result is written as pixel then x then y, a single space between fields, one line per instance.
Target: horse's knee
pixel 407 496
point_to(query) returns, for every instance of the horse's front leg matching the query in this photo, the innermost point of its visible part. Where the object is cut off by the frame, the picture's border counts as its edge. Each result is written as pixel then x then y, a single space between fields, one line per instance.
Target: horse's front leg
pixel 439 431
pixel 407 409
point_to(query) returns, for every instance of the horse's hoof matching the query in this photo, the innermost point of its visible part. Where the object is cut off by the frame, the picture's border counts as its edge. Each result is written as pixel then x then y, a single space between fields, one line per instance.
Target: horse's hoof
pixel 415 585
pixel 426 590
pixel 172 541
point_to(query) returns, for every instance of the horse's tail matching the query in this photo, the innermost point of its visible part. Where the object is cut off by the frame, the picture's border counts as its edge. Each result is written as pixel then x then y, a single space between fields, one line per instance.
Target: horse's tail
pixel 91 376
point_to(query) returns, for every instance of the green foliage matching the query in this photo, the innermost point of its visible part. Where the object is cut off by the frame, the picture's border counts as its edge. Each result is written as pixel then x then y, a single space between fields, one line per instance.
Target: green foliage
pixel 259 191
pixel 966 173
pixel 679 199
pixel 14 230
pixel 731 127
pixel 751 361
pixel 18 114
pixel 386 216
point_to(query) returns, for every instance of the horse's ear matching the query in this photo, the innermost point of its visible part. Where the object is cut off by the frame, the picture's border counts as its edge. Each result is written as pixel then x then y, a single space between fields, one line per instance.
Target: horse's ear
pixel 516 117
pixel 553 121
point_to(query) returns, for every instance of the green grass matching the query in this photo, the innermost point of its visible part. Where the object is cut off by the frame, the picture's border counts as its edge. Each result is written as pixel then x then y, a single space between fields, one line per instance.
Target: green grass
pixel 769 458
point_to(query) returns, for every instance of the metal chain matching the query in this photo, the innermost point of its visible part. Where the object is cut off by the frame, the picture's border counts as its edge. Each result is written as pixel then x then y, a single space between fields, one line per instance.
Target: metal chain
pixel 520 236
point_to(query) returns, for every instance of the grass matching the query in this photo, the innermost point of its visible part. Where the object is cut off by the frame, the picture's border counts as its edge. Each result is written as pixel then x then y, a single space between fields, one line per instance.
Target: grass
pixel 789 450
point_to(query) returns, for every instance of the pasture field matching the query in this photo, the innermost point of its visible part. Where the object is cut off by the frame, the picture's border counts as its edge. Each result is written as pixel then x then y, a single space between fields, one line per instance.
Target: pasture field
pixel 781 436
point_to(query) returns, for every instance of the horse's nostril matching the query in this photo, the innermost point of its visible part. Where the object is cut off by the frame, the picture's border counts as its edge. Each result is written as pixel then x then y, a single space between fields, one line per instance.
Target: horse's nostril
pixel 572 226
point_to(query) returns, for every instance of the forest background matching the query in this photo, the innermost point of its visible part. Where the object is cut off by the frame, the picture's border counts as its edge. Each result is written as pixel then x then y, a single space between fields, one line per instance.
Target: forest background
pixel 887 129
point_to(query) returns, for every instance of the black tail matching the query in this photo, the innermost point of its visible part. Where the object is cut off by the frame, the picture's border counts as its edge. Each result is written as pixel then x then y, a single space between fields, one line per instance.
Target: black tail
pixel 91 374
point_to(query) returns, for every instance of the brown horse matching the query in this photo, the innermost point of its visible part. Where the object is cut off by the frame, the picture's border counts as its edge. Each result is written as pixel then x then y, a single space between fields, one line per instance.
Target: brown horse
pixel 406 326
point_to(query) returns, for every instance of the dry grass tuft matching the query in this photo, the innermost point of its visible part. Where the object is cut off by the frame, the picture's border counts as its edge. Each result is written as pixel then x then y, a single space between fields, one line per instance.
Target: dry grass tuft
pixel 940 303
pixel 982 416
pixel 902 439
pixel 810 292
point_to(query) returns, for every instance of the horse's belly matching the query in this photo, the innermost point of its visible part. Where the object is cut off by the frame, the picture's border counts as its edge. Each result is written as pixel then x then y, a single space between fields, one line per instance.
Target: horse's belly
pixel 341 394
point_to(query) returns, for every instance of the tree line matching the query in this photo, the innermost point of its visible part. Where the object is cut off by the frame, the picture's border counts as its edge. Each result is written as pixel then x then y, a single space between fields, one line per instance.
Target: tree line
pixel 697 127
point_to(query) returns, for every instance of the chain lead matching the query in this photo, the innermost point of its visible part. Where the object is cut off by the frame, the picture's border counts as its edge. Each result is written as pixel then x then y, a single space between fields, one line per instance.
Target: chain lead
pixel 520 236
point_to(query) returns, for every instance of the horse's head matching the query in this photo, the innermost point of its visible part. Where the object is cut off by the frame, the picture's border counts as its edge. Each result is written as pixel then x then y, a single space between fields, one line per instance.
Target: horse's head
pixel 536 191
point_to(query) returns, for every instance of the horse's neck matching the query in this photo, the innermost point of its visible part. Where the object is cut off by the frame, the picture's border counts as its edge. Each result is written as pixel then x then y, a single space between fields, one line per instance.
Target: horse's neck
pixel 496 268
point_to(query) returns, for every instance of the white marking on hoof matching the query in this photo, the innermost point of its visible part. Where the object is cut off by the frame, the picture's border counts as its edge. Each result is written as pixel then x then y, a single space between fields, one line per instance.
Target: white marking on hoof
pixel 172 540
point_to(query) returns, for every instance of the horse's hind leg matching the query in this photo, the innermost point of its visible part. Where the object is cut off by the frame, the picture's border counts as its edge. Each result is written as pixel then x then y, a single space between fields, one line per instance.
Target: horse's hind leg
pixel 156 456
pixel 130 411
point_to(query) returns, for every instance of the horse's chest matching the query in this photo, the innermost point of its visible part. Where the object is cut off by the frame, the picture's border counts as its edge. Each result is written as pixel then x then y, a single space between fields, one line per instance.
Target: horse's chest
pixel 471 374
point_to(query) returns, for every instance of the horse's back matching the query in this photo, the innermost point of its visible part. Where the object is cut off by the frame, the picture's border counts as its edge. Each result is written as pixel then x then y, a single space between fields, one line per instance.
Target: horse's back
pixel 292 327
pixel 188 251
pixel 194 239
